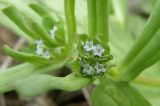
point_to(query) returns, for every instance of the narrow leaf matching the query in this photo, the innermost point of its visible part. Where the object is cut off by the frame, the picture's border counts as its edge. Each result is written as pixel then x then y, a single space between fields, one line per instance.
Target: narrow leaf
pixel 19 72
pixel 26 56
pixel 110 93
pixel 39 9
pixel 151 27
pixel 143 60
pixel 43 34
pixel 15 16
pixel 38 84
pixel 48 23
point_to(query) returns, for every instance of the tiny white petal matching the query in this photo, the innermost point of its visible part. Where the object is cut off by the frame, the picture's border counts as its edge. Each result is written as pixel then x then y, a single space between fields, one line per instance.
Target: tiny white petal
pixel 46 55
pixel 87 69
pixel 100 68
pixel 98 50
pixel 39 42
pixel 39 46
pixel 39 50
pixel 52 31
pixel 88 46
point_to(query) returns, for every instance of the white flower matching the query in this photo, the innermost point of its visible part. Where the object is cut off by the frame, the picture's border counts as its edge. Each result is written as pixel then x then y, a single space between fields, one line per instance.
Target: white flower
pixel 52 32
pixel 88 46
pixel 39 42
pixel 99 68
pixel 87 69
pixel 46 55
pixel 39 50
pixel 98 50
pixel 39 46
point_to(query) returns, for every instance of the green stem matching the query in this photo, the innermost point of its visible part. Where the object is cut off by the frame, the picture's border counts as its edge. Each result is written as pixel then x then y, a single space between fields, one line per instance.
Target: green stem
pixel 151 27
pixel 147 81
pixel 102 7
pixel 69 6
pixel 92 20
pixel 146 58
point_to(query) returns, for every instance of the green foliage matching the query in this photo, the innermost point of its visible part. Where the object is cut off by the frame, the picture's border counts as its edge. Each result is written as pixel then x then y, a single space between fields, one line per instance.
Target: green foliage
pixel 9 77
pixel 109 93
pixel 25 56
pixel 42 83
pixel 18 19
pixel 39 9
pixel 144 47
pixel 70 20
pixel 124 51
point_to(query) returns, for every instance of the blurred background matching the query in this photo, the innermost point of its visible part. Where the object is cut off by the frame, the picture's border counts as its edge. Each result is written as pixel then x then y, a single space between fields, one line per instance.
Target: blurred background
pixel 139 8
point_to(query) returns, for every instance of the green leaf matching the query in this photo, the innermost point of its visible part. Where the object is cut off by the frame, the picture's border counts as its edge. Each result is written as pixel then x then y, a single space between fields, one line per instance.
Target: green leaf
pixel 92 19
pixel 60 36
pixel 151 93
pixel 43 34
pixel 70 20
pixel 151 27
pixel 39 9
pixel 147 57
pixel 102 10
pixel 48 23
pixel 32 58
pixel 39 84
pixel 109 93
pixel 10 76
pixel 14 15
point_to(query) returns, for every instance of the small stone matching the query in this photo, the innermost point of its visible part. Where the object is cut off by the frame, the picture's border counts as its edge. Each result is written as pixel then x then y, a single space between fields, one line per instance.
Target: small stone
pixel 88 46
pixel 98 50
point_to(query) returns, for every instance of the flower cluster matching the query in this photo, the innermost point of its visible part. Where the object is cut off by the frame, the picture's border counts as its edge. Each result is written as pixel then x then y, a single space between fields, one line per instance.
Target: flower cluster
pixel 40 50
pixel 97 50
pixel 92 68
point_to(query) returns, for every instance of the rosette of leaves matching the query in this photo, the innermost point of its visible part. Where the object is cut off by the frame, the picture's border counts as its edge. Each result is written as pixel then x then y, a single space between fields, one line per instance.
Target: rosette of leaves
pixel 130 56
